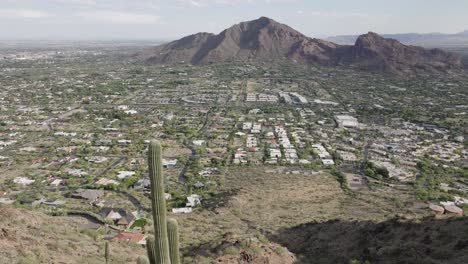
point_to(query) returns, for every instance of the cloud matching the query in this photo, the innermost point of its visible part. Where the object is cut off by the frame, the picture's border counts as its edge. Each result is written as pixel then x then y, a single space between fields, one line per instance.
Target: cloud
pixel 77 2
pixel 200 3
pixel 22 13
pixel 117 17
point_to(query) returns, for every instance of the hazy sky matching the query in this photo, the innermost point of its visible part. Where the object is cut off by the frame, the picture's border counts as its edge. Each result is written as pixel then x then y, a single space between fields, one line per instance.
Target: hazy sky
pixel 168 19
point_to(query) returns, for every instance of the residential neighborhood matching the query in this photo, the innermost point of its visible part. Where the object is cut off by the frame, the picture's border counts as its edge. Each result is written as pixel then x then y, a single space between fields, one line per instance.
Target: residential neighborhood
pixel 74 142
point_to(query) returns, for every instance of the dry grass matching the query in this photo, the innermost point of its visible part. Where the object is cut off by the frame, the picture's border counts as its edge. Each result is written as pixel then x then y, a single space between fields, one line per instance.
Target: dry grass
pixel 268 199
pixel 32 237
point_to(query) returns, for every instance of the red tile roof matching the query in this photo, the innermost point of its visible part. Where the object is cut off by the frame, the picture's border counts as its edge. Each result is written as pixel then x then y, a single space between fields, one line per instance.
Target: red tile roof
pixel 126 236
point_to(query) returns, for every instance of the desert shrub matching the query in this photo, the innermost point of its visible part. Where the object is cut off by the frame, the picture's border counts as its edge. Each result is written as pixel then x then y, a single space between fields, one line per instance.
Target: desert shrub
pixel 256 249
pixel 278 250
pixel 28 258
pixel 231 250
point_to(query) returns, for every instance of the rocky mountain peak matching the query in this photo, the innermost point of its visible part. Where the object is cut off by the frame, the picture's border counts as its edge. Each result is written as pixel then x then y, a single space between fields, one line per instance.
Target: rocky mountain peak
pixel 265 39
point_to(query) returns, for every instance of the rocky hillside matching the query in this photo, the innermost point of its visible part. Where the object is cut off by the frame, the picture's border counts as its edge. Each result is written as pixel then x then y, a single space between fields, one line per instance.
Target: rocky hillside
pixel 32 237
pixel 428 240
pixel 265 40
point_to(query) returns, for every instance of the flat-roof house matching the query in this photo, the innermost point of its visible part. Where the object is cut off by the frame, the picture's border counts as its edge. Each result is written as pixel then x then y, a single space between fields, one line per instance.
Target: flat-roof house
pixel 346 121
pixel 90 195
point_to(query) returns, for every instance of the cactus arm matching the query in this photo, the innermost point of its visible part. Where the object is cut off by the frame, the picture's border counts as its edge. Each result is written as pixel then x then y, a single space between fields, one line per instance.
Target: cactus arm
pixel 150 248
pixel 107 252
pixel 173 235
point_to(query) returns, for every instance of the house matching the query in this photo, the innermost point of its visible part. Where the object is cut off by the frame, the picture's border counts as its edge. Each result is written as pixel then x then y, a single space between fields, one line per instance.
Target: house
pixel 183 210
pixel 275 153
pixel 328 162
pixel 31 202
pixel 23 180
pixel 198 142
pixel 169 163
pixel 125 174
pixel 65 134
pixel 131 112
pixel 124 141
pixel 131 237
pixel 346 121
pixel 122 107
pixel 119 216
pixel 96 160
pixel 299 98
pixel 57 182
pixel 90 195
pixel 240 134
pixel 193 200
pixel 53 202
pixel 254 111
pixel 6 201
pixel 458 200
pixel 7 143
pixel 68 149
pixel 208 171
pixel 77 172
pixel 106 182
pixel 137 161
pixel 199 184
pixel 142 184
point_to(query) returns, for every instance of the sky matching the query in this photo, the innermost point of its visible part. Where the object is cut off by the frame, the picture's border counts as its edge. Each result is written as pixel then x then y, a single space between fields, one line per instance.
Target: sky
pixel 172 19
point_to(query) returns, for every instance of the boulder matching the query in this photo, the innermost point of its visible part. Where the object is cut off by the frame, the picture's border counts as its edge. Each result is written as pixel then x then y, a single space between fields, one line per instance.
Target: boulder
pixel 453 209
pixel 438 210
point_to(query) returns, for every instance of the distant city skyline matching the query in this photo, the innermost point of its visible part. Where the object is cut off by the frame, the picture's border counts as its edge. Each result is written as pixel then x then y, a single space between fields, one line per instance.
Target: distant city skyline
pixel 172 19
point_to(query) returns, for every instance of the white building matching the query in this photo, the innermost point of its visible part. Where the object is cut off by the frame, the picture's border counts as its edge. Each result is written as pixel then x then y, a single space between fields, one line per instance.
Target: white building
pixel 193 200
pixel 183 210
pixel 125 174
pixel 346 121
pixel 23 181
pixel 198 142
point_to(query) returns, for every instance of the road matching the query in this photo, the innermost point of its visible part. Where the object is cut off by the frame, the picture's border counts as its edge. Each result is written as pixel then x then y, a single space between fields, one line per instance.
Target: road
pixel 182 177
pixel 133 200
pixel 366 154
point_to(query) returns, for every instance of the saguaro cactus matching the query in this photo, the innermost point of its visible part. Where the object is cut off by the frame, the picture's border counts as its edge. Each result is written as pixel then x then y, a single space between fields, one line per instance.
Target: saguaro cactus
pixel 150 248
pixel 173 236
pixel 107 252
pixel 158 204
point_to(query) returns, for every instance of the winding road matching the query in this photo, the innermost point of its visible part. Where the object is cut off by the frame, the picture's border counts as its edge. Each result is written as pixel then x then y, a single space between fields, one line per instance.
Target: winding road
pixel 182 177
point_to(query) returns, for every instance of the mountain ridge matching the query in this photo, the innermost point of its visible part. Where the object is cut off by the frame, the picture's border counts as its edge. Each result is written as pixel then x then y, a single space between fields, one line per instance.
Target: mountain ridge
pixel 265 39
pixel 424 39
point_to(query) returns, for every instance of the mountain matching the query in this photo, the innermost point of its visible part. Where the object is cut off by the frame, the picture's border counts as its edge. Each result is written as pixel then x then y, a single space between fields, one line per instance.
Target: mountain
pixel 427 40
pixel 267 40
pixel 463 33
pixel 263 38
pixel 372 51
